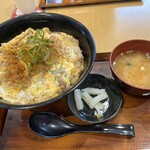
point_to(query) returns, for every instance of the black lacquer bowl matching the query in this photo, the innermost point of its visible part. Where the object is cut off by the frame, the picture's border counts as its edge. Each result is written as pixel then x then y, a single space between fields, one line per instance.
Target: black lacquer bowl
pixel 55 22
pixel 114 94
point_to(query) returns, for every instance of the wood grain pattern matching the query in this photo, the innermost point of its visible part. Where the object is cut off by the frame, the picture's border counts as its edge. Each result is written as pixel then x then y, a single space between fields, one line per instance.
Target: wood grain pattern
pixel 3 113
pixel 58 3
pixel 17 135
pixel 111 23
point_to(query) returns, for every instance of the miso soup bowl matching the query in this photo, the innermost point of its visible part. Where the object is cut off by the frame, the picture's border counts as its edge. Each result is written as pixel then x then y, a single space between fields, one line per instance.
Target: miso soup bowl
pixel 134 45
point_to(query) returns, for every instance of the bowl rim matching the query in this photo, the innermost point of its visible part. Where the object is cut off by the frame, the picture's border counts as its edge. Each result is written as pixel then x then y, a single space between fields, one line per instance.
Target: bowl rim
pixel 112 68
pixel 6 105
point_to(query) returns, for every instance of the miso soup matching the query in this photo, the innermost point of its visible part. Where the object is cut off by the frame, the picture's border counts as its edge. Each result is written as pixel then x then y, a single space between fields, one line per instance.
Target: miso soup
pixel 134 68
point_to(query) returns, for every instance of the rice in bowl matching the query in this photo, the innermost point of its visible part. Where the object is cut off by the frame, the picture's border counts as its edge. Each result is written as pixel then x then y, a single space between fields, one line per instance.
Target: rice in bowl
pixel 38 65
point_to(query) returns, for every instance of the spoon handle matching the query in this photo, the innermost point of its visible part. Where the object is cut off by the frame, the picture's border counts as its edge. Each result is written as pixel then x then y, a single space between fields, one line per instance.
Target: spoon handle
pixel 121 129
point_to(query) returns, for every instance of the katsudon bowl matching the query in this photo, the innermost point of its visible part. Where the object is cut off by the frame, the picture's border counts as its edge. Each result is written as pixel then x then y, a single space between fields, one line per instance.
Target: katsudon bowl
pixel 56 23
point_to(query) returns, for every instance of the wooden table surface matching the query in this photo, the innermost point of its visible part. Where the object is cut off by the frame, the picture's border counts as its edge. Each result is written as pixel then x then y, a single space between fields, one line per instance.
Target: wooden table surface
pixel 6 9
pixel 110 24
pixel 17 134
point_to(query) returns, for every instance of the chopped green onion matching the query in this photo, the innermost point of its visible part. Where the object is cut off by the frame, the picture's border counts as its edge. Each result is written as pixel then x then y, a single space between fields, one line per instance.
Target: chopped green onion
pixel 35 50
